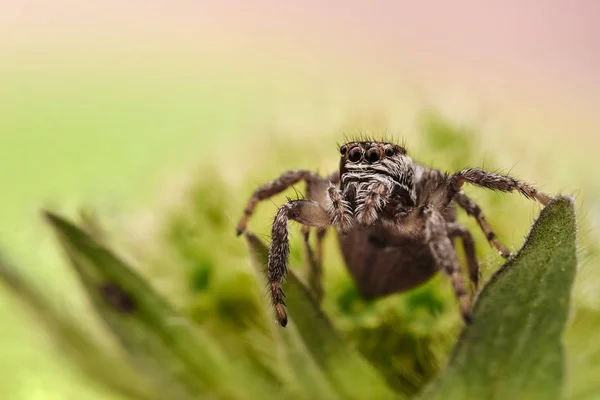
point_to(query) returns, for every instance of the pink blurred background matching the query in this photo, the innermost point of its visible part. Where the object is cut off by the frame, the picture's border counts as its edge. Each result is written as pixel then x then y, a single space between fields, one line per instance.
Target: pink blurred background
pixel 551 44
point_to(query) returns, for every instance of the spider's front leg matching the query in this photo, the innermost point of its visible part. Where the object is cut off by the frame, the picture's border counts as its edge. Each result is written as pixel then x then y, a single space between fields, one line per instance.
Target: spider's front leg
pixel 440 245
pixel 306 212
pixel 490 180
pixel 272 188
pixel 451 190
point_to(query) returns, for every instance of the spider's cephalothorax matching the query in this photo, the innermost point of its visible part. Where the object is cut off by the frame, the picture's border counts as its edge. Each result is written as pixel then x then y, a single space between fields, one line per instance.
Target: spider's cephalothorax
pixel 375 178
pixel 395 219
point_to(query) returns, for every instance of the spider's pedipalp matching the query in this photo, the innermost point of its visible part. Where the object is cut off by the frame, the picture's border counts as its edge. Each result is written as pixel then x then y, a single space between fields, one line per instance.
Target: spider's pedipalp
pixel 370 199
pixel 339 210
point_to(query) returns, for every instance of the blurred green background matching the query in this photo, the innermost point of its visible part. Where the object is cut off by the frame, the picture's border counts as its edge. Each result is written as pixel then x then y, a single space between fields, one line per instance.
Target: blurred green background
pixel 163 119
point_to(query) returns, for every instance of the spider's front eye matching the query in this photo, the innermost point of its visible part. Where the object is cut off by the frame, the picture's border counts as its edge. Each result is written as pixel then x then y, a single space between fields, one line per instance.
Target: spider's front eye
pixel 372 154
pixel 343 150
pixel 355 154
pixel 389 151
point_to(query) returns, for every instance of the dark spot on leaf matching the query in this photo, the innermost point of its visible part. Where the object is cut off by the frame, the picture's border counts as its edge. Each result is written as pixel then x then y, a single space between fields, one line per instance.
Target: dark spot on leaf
pixel 117 298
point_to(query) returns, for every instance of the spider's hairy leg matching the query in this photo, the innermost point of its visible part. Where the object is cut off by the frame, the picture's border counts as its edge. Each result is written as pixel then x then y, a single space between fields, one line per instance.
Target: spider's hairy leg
pixel 459 231
pixel 339 210
pixel 371 198
pixel 314 262
pixel 436 235
pixel 490 180
pixel 272 188
pixel 474 211
pixel 320 237
pixel 306 212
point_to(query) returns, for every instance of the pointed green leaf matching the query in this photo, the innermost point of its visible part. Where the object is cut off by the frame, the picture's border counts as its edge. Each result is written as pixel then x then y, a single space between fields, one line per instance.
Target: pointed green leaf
pixel 513 349
pixel 105 368
pixel 177 357
pixel 344 367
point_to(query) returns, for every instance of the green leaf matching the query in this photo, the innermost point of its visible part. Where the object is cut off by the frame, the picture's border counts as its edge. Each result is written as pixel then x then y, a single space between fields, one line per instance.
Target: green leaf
pixel 73 342
pixel 346 370
pixel 178 358
pixel 513 349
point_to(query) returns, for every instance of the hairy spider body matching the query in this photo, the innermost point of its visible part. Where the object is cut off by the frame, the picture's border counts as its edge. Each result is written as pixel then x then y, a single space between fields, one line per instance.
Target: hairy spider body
pixel 395 219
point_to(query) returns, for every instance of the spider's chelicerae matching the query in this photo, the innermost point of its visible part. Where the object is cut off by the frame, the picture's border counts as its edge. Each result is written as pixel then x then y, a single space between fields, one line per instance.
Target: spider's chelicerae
pixel 395 221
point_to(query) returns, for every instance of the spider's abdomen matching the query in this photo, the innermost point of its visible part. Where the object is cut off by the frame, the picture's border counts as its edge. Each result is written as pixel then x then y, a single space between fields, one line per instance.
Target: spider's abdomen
pixel 382 262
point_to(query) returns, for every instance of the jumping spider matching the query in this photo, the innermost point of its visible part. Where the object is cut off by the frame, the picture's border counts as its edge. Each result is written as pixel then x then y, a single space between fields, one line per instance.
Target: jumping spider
pixel 395 220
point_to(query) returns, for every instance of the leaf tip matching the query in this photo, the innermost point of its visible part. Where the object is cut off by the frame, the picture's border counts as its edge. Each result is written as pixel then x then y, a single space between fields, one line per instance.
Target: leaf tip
pixel 54 219
pixel 563 198
pixel 560 203
pixel 50 216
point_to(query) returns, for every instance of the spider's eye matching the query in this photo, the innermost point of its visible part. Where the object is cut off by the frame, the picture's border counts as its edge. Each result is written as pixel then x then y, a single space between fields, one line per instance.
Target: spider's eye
pixel 343 150
pixel 389 151
pixel 372 154
pixel 355 154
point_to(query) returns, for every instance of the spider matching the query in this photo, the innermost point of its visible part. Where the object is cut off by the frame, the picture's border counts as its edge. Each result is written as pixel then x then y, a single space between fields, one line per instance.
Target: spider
pixel 395 219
